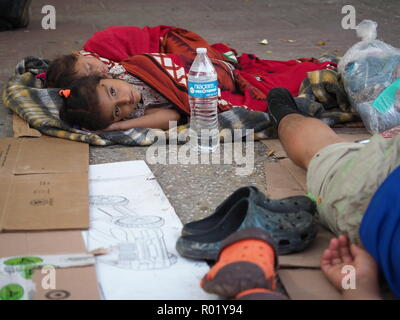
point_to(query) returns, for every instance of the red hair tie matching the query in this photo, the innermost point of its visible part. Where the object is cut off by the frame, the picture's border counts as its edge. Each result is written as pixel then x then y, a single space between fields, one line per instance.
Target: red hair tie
pixel 65 93
pixel 41 75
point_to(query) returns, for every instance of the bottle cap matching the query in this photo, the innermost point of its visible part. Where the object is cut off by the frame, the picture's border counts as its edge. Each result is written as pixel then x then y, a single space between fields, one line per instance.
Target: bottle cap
pixel 201 50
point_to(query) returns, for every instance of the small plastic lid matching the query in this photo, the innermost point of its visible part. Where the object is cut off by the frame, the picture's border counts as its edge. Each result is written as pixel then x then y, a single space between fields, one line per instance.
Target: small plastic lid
pixel 201 50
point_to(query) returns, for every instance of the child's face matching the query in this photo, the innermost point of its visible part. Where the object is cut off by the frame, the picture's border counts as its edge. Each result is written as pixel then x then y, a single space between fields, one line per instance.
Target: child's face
pixel 117 99
pixel 88 65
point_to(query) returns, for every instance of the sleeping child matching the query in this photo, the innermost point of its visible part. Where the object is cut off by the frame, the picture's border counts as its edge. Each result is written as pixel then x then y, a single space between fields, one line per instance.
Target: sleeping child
pixel 67 68
pixel 154 61
pixel 100 103
pixel 131 102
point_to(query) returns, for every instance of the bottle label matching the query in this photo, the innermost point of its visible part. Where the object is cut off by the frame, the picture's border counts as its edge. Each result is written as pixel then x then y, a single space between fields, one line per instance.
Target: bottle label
pixel 203 89
pixel 387 99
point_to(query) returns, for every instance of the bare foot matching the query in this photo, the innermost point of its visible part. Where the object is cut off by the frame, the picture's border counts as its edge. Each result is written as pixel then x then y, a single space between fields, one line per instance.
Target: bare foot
pixel 340 254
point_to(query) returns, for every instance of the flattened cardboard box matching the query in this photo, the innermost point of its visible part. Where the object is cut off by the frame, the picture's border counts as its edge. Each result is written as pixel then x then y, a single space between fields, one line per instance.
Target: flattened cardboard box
pixel 21 128
pixel 78 283
pixel 299 272
pixel 43 184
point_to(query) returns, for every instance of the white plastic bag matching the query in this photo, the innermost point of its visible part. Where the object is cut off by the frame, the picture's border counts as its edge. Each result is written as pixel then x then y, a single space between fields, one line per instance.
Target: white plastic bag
pixel 371 77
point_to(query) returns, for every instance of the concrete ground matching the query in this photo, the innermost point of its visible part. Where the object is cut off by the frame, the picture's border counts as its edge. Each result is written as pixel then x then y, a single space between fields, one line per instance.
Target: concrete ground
pixel 195 190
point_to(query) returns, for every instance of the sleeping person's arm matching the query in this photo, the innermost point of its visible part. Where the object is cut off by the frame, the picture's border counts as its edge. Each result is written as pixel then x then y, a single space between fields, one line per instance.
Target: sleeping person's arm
pixel 157 118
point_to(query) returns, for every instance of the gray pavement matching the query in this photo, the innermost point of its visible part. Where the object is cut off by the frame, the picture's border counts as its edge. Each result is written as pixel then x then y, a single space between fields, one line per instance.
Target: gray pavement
pixel 195 190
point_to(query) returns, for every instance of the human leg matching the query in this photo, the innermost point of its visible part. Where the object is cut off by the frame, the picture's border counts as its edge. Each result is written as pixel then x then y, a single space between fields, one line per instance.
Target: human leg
pixel 302 137
pixel 343 178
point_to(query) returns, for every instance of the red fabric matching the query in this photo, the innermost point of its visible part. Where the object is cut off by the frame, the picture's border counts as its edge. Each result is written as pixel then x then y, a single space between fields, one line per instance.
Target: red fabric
pixel 120 43
pixel 252 78
pixel 268 74
pixel 161 72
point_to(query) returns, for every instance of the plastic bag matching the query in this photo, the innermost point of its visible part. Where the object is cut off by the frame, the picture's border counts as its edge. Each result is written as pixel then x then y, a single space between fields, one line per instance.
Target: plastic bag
pixel 371 76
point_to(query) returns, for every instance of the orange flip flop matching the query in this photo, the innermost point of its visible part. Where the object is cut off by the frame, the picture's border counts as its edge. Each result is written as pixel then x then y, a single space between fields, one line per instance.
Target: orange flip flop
pixel 246 261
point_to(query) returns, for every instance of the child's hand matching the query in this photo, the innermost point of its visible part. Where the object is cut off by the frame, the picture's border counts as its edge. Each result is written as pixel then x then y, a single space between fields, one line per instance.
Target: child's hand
pixel 341 253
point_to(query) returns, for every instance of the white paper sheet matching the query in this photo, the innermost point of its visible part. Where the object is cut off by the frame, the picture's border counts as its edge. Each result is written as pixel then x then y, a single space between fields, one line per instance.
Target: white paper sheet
pixel 130 213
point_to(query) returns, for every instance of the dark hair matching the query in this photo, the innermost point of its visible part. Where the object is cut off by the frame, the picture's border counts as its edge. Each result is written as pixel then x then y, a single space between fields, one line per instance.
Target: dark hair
pixel 60 73
pixel 81 108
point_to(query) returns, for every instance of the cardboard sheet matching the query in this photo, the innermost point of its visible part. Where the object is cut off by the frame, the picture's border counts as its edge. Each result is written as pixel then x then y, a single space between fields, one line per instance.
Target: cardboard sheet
pixel 309 258
pixel 299 272
pixel 275 146
pixel 298 174
pixel 282 182
pixel 130 214
pixel 70 283
pixel 78 283
pixel 306 284
pixel 39 179
pixel 22 129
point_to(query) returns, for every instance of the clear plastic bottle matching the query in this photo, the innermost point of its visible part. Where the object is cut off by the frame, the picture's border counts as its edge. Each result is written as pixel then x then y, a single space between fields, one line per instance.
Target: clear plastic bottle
pixel 203 97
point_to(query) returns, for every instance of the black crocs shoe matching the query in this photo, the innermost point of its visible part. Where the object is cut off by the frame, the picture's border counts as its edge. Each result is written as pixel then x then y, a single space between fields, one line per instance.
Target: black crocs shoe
pixel 285 205
pixel 201 226
pixel 280 104
pixel 290 204
pixel 292 232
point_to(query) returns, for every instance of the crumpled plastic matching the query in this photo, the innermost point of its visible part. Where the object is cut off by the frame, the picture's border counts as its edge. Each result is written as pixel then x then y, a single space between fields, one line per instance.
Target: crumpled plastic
pixel 371 76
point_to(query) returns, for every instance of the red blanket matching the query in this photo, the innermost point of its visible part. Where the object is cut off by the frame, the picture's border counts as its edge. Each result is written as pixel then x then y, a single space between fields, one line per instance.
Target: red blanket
pixel 160 71
pixel 248 84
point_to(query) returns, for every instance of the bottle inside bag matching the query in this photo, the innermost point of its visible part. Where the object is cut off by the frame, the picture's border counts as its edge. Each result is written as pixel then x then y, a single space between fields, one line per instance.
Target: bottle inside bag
pixel 203 97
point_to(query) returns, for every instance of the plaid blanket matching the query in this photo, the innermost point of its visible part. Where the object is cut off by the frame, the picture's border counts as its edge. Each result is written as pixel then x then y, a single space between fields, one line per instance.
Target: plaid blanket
pixel 321 95
pixel 40 108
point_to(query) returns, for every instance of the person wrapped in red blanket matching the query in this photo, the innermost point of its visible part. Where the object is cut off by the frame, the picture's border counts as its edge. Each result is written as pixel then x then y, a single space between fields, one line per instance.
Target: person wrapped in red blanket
pixel 244 81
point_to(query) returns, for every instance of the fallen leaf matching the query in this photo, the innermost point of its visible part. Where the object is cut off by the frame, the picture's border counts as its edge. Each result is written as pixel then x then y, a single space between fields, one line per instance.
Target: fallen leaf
pixel 320 43
pixel 265 41
pixel 268 51
pixel 270 153
pixel 291 41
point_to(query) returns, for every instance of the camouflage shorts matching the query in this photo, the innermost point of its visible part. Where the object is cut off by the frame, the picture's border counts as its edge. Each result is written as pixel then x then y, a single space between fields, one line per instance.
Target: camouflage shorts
pixel 343 177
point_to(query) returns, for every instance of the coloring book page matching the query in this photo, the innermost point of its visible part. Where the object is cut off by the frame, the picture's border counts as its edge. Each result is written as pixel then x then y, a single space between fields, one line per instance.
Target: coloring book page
pixel 131 216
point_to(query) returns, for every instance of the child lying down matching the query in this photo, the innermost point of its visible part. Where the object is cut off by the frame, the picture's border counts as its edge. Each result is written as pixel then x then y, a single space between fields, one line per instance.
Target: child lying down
pixel 103 96
pixel 245 86
pixel 67 68
pixel 100 103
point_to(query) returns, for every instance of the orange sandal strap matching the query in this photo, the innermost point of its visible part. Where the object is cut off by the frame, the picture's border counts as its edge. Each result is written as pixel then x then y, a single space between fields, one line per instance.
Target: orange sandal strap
pixel 260 294
pixel 250 291
pixel 248 234
pixel 247 259
pixel 252 251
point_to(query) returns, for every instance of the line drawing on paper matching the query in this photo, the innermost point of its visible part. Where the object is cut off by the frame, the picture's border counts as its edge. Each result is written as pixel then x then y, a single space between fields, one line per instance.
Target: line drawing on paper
pixel 138 241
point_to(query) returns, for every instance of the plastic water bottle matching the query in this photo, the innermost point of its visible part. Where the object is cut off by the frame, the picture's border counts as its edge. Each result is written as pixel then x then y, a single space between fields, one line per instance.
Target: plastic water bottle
pixel 203 96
